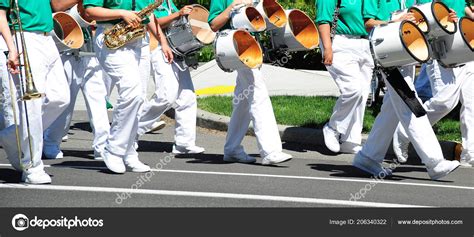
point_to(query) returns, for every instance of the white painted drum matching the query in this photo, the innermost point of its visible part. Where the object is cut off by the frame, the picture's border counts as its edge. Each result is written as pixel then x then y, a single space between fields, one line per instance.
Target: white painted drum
pixel 237 49
pixel 248 18
pixel 273 13
pixel 299 34
pixel 457 49
pixel 67 32
pixel 433 19
pixel 398 44
pixel 78 14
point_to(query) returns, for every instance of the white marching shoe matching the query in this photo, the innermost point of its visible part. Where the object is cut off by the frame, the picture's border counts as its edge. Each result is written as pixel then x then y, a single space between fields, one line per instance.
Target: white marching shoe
pixel 52 152
pixel 241 158
pixel 275 158
pixel 35 177
pixel 370 166
pixel 135 165
pixel 114 163
pixel 400 146
pixel 187 150
pixel 331 139
pixel 350 148
pixel 442 169
pixel 157 126
pixel 467 159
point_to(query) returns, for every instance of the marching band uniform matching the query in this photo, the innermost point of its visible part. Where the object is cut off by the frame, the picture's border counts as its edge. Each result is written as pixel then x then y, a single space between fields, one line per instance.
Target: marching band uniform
pixel 84 73
pixel 122 67
pixel 351 69
pixel 447 86
pixel 255 107
pixel 393 111
pixel 48 74
pixel 174 77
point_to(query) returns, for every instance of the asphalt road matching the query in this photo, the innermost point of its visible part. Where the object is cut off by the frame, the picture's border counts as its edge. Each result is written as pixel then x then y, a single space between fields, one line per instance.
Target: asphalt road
pixel 314 178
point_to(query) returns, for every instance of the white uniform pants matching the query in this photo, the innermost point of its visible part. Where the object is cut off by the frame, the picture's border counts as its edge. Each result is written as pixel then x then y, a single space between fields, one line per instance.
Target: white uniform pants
pixel 252 103
pixel 185 105
pixel 84 73
pixel 393 111
pixel 466 74
pixel 351 70
pixel 49 78
pixel 122 67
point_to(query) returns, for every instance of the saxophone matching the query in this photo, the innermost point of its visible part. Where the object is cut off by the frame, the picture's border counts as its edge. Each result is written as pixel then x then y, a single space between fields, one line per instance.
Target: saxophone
pixel 121 33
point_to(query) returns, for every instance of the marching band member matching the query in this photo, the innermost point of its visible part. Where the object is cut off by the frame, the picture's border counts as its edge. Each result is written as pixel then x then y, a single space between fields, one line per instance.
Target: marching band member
pixel 349 61
pixel 172 77
pixel 122 67
pixel 255 107
pixel 394 110
pixel 448 89
pixel 48 74
pixel 84 73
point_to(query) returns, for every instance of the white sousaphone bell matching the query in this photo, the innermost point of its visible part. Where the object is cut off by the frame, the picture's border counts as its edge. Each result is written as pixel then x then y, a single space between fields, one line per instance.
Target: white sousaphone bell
pixel 67 32
pixel 237 49
pixel 299 34
pixel 247 17
pixel 399 44
pixel 273 13
pixel 457 49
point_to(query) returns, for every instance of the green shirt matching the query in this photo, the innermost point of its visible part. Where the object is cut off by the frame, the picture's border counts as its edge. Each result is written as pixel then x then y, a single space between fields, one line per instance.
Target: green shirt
pixel 382 9
pixel 457 5
pixel 118 4
pixel 351 21
pixel 164 9
pixel 217 7
pixel 36 15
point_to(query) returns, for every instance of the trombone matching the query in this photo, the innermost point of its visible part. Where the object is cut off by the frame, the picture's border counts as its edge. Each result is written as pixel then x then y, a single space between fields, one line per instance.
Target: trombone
pixel 27 89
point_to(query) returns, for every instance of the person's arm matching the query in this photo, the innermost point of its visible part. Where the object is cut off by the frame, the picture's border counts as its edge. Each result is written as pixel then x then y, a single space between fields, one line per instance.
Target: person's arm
pixel 371 23
pixel 13 60
pixel 325 35
pixel 166 20
pixel 63 5
pixel 453 16
pixel 105 14
pixel 155 29
pixel 222 19
pixel 470 12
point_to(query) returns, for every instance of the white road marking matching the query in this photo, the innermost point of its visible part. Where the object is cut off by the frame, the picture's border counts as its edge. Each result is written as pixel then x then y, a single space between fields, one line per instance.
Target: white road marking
pixel 354 180
pixel 207 195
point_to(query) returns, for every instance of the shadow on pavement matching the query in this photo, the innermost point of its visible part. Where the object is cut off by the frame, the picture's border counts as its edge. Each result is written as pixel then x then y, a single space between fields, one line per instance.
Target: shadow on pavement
pixel 299 147
pixel 9 176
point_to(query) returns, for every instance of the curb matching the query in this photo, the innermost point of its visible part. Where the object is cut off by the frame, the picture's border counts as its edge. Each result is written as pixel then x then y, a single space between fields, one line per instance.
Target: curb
pixel 308 136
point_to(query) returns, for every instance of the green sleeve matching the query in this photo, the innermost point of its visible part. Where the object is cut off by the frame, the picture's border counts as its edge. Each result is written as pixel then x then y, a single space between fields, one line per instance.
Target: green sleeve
pixel 4 4
pixel 370 9
pixel 93 3
pixel 216 8
pixel 423 1
pixel 325 11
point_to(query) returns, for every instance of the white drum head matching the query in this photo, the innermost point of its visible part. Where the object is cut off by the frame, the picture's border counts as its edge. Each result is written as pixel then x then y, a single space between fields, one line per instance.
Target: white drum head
pixel 199 25
pixel 248 49
pixel 303 28
pixel 414 41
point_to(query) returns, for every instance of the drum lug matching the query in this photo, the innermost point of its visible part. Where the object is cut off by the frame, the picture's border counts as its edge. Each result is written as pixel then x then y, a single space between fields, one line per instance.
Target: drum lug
pixel 378 41
pixel 384 56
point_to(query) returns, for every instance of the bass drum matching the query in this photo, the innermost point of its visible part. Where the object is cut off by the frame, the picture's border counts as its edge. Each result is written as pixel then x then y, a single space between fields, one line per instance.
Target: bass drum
pixel 399 44
pixel 67 32
pixel 433 19
pixel 458 48
pixel 237 49
pixel 189 34
pixel 299 34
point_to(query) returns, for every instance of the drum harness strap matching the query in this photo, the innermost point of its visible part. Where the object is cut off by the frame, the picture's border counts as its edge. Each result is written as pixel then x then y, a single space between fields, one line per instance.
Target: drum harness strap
pixel 396 80
pixel 335 18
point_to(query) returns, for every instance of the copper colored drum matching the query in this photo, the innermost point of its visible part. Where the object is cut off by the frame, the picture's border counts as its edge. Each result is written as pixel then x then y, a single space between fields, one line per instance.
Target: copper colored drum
pixel 67 33
pixel 298 35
